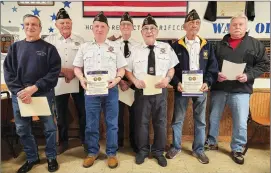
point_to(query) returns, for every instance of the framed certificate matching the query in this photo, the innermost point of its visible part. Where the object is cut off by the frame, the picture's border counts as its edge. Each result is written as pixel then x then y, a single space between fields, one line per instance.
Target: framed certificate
pixel 97 83
pixel 229 9
pixel 192 82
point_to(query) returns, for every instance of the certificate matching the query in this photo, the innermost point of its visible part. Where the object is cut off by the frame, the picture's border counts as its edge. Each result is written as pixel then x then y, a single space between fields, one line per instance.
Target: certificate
pixel 150 82
pixel 231 70
pixel 229 9
pixel 192 82
pixel 64 88
pixel 127 97
pixel 97 84
pixel 38 107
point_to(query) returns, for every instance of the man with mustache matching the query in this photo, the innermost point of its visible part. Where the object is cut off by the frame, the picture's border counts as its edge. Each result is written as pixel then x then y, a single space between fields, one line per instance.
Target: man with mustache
pixel 236 47
pixel 67 44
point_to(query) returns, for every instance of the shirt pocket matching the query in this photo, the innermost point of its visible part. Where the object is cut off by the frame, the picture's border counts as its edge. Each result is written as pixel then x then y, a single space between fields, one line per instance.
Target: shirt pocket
pixel 139 65
pixel 89 60
pixel 163 62
pixel 110 60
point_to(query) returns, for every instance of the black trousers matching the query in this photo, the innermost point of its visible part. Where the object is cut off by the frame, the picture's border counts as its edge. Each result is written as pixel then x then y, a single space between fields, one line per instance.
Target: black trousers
pixel 154 106
pixel 62 116
pixel 131 124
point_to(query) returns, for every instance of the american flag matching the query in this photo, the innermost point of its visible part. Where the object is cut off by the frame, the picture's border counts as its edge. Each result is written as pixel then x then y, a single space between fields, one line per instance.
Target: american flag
pixel 157 8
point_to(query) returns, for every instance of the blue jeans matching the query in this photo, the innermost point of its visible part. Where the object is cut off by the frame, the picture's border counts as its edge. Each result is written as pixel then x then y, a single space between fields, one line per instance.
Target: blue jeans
pixel 110 107
pixel 239 105
pixel 180 107
pixel 24 130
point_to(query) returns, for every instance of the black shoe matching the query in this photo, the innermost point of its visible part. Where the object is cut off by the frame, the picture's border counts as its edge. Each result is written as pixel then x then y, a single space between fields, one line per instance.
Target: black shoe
pixel 162 161
pixel 208 147
pixel 52 165
pixel 237 157
pixel 202 158
pixel 27 166
pixel 140 157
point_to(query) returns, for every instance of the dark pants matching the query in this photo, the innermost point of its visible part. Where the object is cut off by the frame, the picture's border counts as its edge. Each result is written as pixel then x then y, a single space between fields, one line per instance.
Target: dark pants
pixel 131 124
pixel 62 116
pixel 147 106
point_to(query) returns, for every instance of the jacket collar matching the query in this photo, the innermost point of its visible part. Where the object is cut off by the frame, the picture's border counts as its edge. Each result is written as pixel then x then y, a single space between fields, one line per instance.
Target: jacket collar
pixel 203 42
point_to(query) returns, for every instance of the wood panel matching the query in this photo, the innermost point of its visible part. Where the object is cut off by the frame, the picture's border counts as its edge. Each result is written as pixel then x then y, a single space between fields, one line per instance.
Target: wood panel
pixel 260 96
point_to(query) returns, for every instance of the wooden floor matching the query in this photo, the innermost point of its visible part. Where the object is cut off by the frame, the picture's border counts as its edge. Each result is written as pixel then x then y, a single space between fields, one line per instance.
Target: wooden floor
pixel 257 160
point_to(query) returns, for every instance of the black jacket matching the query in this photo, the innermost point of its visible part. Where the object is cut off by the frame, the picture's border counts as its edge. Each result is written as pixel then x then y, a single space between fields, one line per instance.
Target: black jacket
pixel 211 11
pixel 249 51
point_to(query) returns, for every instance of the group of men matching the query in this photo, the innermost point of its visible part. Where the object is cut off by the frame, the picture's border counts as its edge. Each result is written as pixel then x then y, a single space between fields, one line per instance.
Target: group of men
pixel 33 67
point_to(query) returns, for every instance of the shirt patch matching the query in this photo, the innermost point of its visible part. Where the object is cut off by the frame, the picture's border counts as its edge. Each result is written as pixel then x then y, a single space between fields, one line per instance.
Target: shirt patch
pixel 205 54
pixel 110 49
pixel 162 51
pixel 40 53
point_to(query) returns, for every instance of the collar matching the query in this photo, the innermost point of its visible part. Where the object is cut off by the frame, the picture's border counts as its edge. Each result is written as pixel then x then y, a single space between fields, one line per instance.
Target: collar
pixel 197 40
pixel 105 42
pixel 60 37
pixel 146 46
pixel 203 42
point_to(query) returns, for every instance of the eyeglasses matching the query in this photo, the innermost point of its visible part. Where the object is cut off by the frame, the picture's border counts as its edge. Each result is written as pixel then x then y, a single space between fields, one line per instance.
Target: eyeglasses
pixel 146 29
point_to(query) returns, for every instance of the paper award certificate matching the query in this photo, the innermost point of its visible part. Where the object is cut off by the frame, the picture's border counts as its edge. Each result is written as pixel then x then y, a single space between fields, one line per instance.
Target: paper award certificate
pixel 97 83
pixel 192 82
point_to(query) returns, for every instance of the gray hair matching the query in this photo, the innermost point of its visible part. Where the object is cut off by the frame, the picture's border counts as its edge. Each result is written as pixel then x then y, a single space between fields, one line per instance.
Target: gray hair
pixel 242 15
pixel 31 15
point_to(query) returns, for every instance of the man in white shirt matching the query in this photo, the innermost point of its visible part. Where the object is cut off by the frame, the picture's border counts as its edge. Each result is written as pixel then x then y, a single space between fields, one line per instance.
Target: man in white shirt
pixel 157 59
pixel 67 45
pixel 127 44
pixel 101 55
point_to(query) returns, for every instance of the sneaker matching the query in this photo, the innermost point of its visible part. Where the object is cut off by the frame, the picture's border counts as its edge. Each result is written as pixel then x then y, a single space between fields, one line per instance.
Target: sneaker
pixel 202 158
pixel 237 157
pixel 112 162
pixel 208 147
pixel 140 158
pixel 162 161
pixel 89 161
pixel 172 153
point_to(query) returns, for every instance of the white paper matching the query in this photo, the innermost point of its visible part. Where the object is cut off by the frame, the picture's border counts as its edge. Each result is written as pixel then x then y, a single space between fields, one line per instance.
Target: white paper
pixel 150 82
pixel 38 107
pixel 127 96
pixel 63 88
pixel 231 70
pixel 261 83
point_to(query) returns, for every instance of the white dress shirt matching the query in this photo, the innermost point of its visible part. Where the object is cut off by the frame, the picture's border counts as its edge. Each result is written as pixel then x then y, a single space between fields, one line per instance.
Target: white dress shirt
pixel 193 47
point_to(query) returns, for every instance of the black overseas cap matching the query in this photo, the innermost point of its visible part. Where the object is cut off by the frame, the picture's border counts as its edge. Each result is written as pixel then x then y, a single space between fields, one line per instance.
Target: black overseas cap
pixel 126 17
pixel 101 18
pixel 149 20
pixel 192 15
pixel 62 14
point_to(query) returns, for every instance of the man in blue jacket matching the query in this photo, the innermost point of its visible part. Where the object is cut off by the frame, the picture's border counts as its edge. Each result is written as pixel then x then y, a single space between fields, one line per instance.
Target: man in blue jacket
pixel 31 69
pixel 194 53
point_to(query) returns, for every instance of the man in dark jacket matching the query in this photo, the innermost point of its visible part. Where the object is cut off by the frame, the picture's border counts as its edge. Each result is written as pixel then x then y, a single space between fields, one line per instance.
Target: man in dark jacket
pixel 236 47
pixel 194 54
pixel 31 69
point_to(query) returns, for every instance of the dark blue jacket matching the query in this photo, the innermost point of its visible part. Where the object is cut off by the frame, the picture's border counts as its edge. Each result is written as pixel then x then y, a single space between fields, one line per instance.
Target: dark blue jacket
pixel 207 61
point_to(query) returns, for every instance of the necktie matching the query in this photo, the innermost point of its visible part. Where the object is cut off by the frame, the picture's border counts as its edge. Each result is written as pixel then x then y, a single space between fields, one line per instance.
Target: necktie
pixel 151 61
pixel 126 49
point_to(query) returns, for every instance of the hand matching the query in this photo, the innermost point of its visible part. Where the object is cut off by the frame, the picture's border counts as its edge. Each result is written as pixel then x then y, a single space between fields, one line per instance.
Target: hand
pixel 221 77
pixel 113 82
pixel 204 87
pixel 69 74
pixel 25 94
pixel 67 80
pixel 163 83
pixel 124 85
pixel 139 84
pixel 27 100
pixel 180 87
pixel 242 78
pixel 83 82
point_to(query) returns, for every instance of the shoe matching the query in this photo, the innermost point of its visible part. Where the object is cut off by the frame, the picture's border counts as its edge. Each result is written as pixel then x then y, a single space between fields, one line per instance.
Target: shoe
pixel 140 157
pixel 89 160
pixel 162 161
pixel 27 166
pixel 202 158
pixel 172 153
pixel 52 165
pixel 237 157
pixel 208 147
pixel 112 162
pixel 62 148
